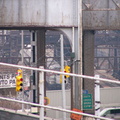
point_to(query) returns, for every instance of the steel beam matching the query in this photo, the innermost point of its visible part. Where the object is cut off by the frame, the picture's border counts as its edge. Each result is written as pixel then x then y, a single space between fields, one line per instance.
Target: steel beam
pixel 97 14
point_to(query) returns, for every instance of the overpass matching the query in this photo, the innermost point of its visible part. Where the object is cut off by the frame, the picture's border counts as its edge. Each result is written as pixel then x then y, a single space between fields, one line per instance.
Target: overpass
pixel 71 17
pixel 97 14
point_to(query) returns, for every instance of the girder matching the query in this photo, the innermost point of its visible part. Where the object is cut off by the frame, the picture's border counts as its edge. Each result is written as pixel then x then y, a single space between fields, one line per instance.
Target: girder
pixel 101 14
pixel 97 14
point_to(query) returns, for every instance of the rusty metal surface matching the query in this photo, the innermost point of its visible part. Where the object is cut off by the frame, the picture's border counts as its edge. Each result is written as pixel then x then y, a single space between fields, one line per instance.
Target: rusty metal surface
pixel 97 14
pixel 21 13
pixel 30 13
pixel 101 14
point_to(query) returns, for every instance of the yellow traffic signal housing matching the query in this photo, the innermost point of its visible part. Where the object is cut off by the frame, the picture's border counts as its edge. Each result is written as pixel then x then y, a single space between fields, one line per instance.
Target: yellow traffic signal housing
pixel 19 81
pixel 67 70
pixel 61 76
pixel 46 101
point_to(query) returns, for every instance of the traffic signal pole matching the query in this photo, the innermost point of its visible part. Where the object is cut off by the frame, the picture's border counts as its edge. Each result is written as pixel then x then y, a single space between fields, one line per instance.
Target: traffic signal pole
pixel 80 55
pixel 63 83
pixel 77 83
pixel 22 55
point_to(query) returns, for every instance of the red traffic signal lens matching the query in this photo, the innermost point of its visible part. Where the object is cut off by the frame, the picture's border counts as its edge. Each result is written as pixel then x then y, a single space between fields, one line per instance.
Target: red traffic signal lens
pixel 21 79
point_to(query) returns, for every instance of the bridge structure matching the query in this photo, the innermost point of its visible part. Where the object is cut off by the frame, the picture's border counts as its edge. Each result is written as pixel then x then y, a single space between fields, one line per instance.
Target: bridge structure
pixel 76 19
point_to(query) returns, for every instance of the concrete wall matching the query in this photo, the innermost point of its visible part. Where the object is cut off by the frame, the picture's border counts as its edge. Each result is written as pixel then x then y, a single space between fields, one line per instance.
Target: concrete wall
pixel 109 97
pixel 56 101
pixel 10 115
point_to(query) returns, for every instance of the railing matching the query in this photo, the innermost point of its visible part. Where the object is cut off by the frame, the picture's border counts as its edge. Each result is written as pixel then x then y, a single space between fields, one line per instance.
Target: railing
pixel 55 108
pixel 57 72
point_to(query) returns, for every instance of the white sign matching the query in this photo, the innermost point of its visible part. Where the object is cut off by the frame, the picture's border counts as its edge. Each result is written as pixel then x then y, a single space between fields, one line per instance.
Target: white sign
pixel 7 80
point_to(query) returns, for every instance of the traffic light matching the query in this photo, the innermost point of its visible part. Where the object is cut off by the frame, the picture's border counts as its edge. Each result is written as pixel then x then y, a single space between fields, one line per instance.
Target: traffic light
pixel 46 101
pixel 19 81
pixel 60 78
pixel 67 70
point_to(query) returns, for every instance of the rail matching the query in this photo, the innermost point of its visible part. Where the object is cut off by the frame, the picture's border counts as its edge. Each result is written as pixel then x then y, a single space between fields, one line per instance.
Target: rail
pixel 57 72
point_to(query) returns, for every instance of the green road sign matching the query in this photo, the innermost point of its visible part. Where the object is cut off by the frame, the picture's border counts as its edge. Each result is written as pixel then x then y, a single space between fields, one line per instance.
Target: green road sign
pixel 87 101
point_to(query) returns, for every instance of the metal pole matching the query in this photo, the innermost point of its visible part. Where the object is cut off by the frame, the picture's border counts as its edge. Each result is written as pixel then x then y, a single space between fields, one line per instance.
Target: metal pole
pixel 41 93
pixel 22 57
pixel 72 67
pixel 33 61
pixel 63 83
pixel 80 47
pixel 78 82
pixel 22 46
pixel 73 39
pixel 97 96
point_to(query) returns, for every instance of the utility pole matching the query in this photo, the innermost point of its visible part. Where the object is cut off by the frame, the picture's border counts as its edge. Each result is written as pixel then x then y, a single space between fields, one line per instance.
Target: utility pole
pixel 77 83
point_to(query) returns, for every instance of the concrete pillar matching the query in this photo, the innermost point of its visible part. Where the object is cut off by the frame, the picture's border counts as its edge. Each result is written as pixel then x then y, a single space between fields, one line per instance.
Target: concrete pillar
pixel 88 65
pixel 40 35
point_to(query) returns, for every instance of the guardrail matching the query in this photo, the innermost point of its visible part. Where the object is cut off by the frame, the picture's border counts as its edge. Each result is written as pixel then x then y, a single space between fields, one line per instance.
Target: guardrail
pixel 57 72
